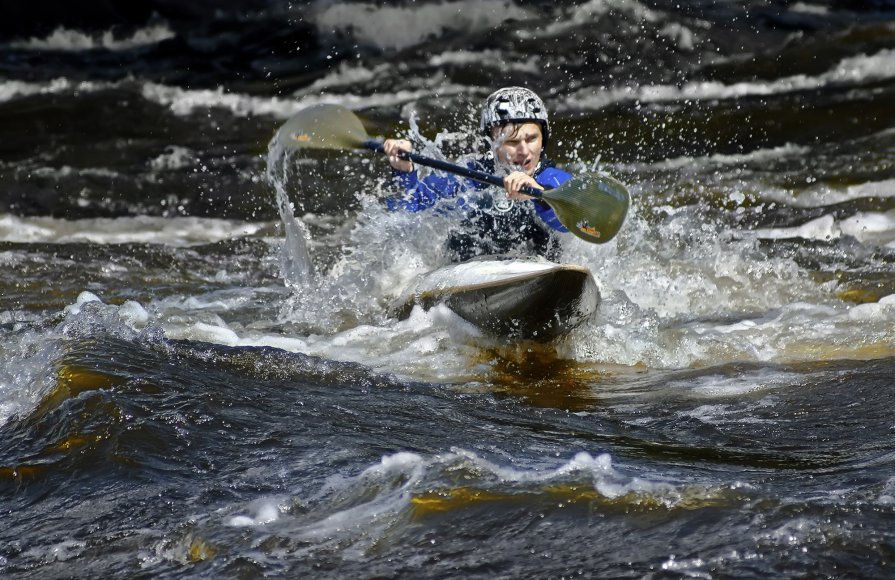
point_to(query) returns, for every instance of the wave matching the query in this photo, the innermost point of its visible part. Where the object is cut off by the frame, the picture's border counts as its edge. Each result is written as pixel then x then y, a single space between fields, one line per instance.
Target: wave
pixel 589 12
pixel 853 70
pixel 350 75
pixel 177 231
pixel 866 227
pixel 12 89
pixel 183 101
pixel 824 195
pixel 186 101
pixel 27 370
pixel 361 508
pixel 687 162
pixel 398 27
pixel 67 40
pixel 532 64
pixel 805 8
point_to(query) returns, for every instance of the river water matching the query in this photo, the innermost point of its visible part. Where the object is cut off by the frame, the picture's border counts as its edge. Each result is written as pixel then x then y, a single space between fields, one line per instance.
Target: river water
pixel 201 375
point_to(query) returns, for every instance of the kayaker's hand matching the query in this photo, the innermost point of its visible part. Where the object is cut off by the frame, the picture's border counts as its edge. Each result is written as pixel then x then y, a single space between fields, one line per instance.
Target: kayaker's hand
pixel 392 147
pixel 516 181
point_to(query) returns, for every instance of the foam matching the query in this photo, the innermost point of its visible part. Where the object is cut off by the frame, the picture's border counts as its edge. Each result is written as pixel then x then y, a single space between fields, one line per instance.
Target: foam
pixel 133 314
pixel 882 188
pixel 84 297
pixel 680 294
pixel 396 28
pixel 887 494
pixel 489 58
pixel 822 194
pixel 66 40
pixel 429 345
pixel 383 491
pixel 806 8
pixel 378 492
pixel 725 386
pixel 756 156
pixel 175 157
pixel 57 552
pixel 187 101
pixel 822 228
pixel 263 512
pixel 176 231
pixel 865 227
pixel 870 226
pixel 28 370
pixel 13 89
pixel 883 309
pixel 348 74
pixel 850 71
pixel 588 12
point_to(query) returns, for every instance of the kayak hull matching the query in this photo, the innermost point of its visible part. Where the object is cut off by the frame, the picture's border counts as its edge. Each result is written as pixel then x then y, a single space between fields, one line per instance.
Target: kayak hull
pixel 517 299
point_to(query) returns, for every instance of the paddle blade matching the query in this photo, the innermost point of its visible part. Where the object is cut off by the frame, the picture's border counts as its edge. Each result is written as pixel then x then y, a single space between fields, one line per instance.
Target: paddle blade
pixel 592 206
pixel 323 127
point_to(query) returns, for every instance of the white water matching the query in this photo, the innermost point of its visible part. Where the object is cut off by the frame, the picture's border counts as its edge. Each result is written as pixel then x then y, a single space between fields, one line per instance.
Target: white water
pixel 398 27
pixel 13 89
pixel 676 294
pixel 173 231
pixel 358 510
pixel 296 264
pixel 187 101
pixel 851 71
pixel 68 40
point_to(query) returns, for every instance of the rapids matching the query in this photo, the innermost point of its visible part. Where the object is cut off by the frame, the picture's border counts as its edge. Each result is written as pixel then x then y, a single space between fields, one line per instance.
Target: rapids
pixel 201 375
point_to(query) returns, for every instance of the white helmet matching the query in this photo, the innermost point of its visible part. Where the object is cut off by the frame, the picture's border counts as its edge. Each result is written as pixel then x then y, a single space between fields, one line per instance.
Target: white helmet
pixel 514 105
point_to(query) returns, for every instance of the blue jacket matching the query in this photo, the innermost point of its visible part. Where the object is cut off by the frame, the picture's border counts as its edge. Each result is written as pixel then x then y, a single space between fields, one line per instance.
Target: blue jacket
pixel 424 193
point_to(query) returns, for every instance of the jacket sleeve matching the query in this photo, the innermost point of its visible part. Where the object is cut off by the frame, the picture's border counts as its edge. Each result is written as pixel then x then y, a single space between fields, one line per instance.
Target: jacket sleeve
pixel 550 177
pixel 423 193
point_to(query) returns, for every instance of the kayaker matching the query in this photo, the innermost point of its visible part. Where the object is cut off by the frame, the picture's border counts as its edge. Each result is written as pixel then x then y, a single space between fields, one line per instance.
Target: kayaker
pixel 515 130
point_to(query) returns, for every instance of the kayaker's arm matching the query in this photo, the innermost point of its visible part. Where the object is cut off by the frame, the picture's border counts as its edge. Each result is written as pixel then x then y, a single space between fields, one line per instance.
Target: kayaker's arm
pixel 423 193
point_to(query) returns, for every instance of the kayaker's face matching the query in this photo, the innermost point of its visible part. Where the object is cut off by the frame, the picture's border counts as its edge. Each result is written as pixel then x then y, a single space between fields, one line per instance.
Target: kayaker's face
pixel 519 145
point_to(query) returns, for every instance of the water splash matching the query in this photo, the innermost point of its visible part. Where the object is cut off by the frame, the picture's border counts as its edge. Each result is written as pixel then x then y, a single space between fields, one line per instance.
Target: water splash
pixel 296 265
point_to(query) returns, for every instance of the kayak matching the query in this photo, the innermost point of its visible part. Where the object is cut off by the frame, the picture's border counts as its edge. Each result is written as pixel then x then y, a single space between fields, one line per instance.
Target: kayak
pixel 530 299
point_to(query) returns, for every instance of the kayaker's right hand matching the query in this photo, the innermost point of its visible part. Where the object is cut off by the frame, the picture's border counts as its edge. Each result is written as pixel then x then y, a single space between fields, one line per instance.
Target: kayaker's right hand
pixel 392 147
pixel 516 181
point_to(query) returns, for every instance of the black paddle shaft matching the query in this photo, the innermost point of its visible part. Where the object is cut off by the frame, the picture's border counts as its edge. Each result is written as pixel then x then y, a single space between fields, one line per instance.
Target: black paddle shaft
pixel 374 145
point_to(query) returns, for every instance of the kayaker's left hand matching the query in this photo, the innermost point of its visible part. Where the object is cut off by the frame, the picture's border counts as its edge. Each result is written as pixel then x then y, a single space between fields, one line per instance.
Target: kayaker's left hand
pixel 516 181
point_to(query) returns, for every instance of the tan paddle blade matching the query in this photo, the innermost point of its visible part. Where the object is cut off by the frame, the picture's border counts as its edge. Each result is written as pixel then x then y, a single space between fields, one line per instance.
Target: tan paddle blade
pixel 592 206
pixel 323 127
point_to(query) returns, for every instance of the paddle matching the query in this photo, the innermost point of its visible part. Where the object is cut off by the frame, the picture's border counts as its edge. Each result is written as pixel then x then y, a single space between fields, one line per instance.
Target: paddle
pixel 591 206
